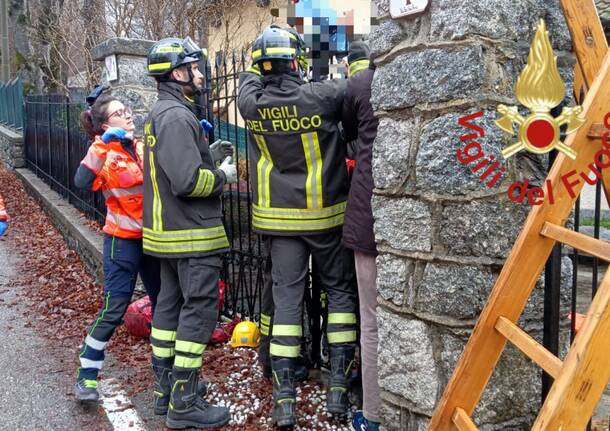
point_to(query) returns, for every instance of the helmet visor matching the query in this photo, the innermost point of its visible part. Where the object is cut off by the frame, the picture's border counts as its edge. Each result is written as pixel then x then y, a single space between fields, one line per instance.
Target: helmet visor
pixel 191 49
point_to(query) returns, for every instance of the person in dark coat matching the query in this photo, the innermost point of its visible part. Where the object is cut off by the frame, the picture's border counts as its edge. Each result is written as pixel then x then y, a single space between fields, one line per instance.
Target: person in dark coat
pixel 360 123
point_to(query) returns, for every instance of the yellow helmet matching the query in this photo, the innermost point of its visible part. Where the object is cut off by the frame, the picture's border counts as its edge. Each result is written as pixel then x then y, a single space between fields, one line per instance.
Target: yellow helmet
pixel 246 334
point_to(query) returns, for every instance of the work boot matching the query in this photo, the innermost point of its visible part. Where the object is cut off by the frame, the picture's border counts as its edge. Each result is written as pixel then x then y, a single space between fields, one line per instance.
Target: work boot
pixel 284 394
pixel 86 390
pixel 187 409
pixel 162 368
pixel 301 372
pixel 341 363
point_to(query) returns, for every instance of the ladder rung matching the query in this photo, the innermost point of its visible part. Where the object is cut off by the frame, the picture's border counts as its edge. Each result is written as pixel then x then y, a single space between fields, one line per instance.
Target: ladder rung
pixel 462 421
pixel 594 247
pixel 596 131
pixel 530 347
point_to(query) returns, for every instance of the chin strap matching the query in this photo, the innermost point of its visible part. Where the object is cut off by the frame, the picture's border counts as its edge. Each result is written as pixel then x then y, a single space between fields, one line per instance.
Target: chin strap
pixel 190 83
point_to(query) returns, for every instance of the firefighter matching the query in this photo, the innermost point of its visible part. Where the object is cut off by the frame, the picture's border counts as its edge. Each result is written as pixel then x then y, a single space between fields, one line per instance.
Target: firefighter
pixel 299 188
pixel 4 218
pixel 113 165
pixel 183 227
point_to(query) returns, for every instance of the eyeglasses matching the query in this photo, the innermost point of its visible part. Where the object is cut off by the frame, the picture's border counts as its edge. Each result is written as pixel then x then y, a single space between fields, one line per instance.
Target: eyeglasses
pixel 123 113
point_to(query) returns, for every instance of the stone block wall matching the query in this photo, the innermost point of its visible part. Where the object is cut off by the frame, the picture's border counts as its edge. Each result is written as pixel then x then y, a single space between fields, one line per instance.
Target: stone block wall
pixel 12 149
pixel 442 234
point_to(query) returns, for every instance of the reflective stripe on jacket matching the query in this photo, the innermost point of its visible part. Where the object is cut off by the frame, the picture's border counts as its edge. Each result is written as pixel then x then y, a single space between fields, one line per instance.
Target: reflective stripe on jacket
pixel 3 214
pixel 182 188
pixel 297 156
pixel 119 176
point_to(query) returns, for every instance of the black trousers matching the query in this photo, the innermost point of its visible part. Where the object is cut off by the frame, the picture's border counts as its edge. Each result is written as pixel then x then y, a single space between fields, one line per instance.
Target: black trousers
pixel 187 309
pixel 290 263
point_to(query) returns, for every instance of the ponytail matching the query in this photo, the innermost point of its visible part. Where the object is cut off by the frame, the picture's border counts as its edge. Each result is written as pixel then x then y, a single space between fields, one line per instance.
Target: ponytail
pixel 87 123
pixel 91 119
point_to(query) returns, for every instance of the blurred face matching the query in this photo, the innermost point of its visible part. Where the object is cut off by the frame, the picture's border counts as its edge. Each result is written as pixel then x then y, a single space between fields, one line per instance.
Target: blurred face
pixel 119 116
pixel 182 74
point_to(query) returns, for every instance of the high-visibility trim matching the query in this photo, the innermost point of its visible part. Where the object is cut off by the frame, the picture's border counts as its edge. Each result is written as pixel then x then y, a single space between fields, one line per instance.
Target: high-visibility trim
pixel 123 221
pixel 313 159
pixel 184 235
pixel 205 183
pixel 298 225
pixel 90 383
pixel 298 213
pixel 357 66
pixel 95 344
pixel 280 50
pixel 255 70
pixel 265 318
pixel 159 66
pixel 163 352
pixel 185 247
pixel 157 205
pixel 287 330
pixel 339 318
pixel 341 337
pixel 189 347
pixel 264 168
pixel 121 192
pixel 93 161
pixel 284 351
pixel 182 241
pixel 88 363
pixel 162 334
pixel 186 362
pixel 165 49
pixel 274 50
pixel 265 330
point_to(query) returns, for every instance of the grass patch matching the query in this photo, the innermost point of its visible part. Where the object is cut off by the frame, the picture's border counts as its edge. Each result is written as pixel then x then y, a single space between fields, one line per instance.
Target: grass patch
pixel 605 223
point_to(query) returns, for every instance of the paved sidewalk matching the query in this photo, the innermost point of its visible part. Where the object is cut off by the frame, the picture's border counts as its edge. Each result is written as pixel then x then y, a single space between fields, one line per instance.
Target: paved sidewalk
pixel 35 393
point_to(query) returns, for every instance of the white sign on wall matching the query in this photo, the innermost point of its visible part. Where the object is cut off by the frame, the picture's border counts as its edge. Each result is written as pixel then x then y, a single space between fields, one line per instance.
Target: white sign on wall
pixel 112 71
pixel 400 8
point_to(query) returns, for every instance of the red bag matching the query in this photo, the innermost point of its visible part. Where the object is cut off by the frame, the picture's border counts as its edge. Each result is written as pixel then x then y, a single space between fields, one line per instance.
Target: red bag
pixel 138 317
pixel 222 333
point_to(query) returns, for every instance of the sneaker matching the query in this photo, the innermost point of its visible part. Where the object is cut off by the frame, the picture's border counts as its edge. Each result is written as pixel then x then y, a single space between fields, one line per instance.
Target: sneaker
pixel 360 423
pixel 86 390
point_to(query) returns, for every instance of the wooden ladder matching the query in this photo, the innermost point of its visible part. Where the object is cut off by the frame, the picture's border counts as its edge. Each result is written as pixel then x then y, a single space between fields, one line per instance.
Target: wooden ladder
pixel 582 377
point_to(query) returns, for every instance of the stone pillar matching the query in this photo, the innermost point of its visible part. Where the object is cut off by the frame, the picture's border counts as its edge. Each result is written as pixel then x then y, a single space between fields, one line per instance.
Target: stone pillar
pixel 442 234
pixel 132 85
pixel 12 149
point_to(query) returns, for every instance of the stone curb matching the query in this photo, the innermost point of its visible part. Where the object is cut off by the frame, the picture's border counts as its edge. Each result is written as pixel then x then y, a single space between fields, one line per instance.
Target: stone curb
pixel 88 243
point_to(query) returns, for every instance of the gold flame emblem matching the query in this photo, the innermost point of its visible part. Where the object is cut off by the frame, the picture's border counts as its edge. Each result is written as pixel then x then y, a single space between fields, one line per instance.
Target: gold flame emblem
pixel 540 88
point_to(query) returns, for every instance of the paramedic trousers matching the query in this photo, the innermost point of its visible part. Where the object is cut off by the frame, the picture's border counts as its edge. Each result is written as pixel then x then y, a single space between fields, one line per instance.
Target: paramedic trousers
pixel 123 260
pixel 187 309
pixel 290 264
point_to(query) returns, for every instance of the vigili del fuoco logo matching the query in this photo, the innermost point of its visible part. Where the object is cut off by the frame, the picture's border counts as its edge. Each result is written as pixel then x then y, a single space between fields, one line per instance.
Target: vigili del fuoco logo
pixel 540 89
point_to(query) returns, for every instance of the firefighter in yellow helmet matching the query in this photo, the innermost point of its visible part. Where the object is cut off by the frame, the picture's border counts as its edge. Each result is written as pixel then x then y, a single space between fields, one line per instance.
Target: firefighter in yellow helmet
pixel 183 228
pixel 299 182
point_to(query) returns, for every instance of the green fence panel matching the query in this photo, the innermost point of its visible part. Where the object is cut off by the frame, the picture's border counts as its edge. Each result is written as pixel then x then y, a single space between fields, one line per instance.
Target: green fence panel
pixel 11 103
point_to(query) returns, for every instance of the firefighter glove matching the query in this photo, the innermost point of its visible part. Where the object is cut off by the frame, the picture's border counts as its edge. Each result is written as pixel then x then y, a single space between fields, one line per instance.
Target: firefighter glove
pixel 115 133
pixel 229 170
pixel 221 149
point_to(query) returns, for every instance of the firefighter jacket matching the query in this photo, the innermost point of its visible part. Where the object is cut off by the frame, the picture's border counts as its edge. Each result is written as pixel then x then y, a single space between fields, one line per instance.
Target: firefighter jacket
pixel 115 168
pixel 182 188
pixel 3 214
pixel 297 156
